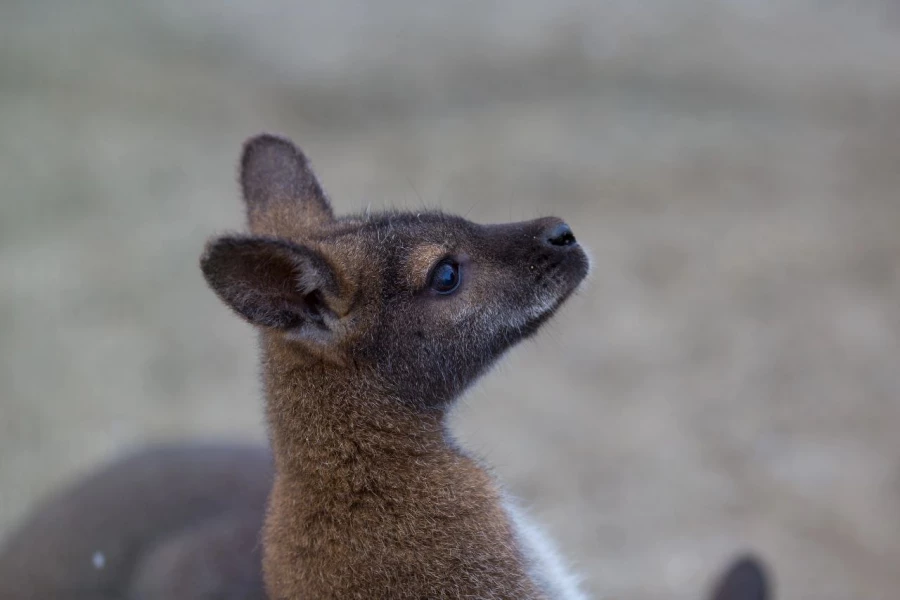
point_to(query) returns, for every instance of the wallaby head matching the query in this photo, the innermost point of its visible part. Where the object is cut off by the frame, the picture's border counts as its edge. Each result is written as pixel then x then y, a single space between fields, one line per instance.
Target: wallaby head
pixel 418 303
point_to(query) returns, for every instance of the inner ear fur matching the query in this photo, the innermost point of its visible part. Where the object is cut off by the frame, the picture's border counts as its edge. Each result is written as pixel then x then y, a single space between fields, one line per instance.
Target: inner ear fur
pixel 279 186
pixel 272 283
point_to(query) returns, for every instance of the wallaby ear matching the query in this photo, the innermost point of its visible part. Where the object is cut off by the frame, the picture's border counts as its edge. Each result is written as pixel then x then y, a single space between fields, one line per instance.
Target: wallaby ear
pixel 745 579
pixel 276 176
pixel 273 283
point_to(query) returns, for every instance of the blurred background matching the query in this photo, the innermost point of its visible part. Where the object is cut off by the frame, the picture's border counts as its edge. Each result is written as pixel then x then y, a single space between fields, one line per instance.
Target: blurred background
pixel 730 378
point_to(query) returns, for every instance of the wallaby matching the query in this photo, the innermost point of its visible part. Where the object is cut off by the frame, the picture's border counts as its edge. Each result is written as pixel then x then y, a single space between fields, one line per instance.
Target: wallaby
pixel 370 327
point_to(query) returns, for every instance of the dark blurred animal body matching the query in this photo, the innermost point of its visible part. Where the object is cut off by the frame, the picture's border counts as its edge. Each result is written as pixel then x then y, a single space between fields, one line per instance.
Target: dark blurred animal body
pixel 169 522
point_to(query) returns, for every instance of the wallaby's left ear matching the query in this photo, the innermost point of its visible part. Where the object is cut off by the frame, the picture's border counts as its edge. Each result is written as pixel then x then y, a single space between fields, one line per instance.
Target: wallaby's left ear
pixel 278 183
pixel 275 284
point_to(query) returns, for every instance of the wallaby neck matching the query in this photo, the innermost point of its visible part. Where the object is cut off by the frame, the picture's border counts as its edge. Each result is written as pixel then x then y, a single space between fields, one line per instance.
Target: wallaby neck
pixel 370 492
pixel 329 421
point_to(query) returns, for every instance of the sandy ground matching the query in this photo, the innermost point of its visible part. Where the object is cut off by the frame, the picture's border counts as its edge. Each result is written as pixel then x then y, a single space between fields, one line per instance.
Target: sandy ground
pixel 731 377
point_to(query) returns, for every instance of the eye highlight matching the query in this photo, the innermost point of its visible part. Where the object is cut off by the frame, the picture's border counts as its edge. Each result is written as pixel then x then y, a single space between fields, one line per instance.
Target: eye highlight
pixel 445 277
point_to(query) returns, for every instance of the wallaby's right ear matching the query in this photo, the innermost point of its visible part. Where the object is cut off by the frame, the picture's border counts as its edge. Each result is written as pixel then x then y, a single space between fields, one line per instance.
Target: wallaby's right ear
pixel 273 283
pixel 278 182
pixel 745 579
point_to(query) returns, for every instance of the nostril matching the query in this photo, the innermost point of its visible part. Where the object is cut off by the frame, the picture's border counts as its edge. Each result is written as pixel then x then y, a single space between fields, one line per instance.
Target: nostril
pixel 560 235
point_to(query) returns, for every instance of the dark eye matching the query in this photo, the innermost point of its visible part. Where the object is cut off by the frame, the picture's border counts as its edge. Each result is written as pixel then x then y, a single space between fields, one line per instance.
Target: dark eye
pixel 445 277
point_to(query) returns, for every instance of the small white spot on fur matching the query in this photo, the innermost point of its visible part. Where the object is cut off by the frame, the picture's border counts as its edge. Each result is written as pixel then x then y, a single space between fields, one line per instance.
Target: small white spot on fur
pixel 98 560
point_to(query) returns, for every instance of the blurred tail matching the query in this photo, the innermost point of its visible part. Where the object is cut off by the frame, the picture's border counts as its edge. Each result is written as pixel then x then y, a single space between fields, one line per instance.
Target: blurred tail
pixel 745 579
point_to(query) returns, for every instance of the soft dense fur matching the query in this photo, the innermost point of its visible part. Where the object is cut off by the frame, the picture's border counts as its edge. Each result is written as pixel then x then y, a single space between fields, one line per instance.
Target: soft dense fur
pixel 362 356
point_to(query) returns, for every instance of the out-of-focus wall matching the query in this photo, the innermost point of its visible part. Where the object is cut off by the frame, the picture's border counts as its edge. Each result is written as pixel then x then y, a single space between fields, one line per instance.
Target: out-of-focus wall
pixel 729 379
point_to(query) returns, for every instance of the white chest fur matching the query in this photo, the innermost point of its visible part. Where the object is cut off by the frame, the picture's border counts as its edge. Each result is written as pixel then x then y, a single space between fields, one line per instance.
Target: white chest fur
pixel 546 564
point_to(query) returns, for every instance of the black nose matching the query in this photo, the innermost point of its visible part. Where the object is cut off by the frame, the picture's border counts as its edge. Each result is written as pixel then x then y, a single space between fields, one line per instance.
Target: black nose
pixel 560 235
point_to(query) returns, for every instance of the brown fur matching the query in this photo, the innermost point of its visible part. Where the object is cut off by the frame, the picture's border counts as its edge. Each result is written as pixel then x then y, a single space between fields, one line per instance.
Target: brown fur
pixel 372 502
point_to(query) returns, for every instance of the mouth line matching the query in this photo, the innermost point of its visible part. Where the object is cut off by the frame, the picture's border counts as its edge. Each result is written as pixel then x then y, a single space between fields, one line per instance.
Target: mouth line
pixel 569 287
pixel 561 278
pixel 534 323
pixel 566 265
